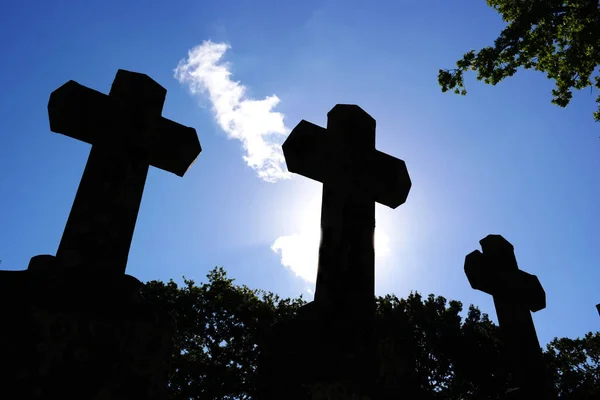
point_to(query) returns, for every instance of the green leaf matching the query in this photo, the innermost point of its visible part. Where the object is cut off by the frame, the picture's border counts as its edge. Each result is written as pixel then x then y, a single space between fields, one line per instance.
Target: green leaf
pixel 557 37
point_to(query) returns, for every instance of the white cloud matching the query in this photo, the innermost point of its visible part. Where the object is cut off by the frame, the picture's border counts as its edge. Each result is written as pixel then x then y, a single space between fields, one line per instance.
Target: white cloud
pixel 259 128
pixel 300 252
pixel 253 122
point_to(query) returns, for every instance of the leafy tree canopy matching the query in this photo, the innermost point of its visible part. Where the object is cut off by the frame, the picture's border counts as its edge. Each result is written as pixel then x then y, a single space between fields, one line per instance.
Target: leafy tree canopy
pixel 219 338
pixel 558 37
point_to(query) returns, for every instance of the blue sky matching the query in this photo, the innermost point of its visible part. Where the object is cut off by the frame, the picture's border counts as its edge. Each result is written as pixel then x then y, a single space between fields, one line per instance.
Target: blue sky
pixel 500 160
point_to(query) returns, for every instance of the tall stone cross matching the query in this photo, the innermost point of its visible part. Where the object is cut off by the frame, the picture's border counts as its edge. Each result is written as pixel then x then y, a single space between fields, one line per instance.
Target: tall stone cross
pixel 127 134
pixel 515 294
pixel 354 175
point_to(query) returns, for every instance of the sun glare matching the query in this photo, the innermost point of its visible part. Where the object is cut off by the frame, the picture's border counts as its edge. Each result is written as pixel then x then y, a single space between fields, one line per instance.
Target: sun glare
pixel 300 251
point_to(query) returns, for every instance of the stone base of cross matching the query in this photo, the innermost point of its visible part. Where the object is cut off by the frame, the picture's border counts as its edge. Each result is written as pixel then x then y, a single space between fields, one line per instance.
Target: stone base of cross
pixel 108 344
pixel 340 359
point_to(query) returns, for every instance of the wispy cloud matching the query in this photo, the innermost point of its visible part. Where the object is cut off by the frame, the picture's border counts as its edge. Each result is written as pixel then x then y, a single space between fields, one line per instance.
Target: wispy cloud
pixel 261 130
pixel 251 121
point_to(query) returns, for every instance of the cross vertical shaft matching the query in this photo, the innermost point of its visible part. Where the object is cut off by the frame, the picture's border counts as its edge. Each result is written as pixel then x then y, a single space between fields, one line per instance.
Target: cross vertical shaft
pixel 346 269
pixel 104 211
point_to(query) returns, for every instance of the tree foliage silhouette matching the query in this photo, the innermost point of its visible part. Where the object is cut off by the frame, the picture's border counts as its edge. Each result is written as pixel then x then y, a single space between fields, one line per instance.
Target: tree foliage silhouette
pixel 448 357
pixel 558 37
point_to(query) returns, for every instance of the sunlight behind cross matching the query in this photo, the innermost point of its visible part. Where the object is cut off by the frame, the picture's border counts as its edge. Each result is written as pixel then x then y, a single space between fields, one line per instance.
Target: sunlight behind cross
pixel 300 251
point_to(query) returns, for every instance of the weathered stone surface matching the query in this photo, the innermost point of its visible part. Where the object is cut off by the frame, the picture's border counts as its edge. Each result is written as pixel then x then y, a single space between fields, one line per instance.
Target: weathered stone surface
pixel 127 134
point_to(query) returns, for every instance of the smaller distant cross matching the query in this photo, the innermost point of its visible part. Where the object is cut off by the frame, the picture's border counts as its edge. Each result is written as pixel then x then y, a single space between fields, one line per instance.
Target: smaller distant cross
pixel 515 292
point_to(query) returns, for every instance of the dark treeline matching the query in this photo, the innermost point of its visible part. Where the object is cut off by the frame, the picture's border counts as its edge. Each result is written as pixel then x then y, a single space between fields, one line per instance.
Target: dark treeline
pixel 219 337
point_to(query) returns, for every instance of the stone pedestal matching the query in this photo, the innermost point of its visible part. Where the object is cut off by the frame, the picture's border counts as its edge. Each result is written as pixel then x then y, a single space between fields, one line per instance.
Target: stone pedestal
pixel 326 358
pixel 312 359
pixel 80 337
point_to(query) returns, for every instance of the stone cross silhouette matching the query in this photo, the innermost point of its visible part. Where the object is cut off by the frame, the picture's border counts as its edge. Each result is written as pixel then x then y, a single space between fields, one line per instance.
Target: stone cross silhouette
pixel 127 134
pixel 515 294
pixel 354 175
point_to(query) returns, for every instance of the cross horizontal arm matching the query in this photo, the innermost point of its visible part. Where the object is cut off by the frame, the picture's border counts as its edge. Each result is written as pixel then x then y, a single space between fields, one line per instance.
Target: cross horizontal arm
pixel 517 285
pixel 387 179
pixel 306 151
pixel 80 112
pixel 175 148
pixel 90 116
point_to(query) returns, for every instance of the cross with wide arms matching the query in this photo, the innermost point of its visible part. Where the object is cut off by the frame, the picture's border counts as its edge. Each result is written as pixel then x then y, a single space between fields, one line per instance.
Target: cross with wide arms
pixel 354 175
pixel 127 134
